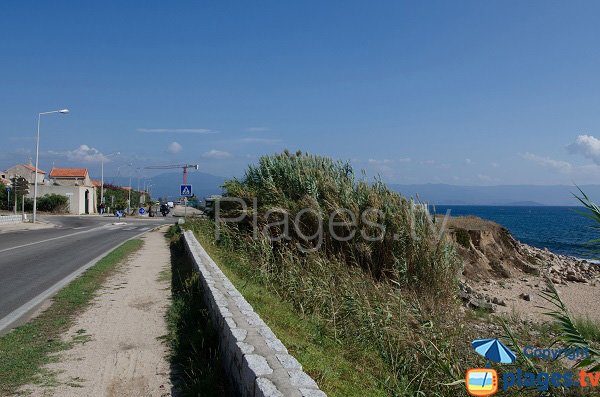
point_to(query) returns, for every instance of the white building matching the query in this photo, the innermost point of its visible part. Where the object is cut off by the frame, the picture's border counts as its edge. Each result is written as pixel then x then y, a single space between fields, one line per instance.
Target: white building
pixel 76 185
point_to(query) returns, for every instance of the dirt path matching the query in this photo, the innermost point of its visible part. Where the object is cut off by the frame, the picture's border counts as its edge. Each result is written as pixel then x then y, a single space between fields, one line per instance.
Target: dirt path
pixel 121 353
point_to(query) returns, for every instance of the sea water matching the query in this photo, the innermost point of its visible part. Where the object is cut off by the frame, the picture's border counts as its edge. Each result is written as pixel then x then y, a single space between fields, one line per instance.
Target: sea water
pixel 563 230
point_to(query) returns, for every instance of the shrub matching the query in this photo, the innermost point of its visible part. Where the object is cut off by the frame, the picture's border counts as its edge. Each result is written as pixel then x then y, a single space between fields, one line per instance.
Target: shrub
pixel 463 238
pixel 395 295
pixel 54 203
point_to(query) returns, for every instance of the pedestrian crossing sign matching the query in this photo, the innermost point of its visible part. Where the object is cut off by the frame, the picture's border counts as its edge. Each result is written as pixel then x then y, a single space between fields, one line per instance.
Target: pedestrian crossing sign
pixel 186 190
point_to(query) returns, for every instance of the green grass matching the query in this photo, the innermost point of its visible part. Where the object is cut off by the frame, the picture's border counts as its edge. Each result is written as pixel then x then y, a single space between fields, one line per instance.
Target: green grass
pixel 339 367
pixel 25 350
pixel 192 338
pixel 588 328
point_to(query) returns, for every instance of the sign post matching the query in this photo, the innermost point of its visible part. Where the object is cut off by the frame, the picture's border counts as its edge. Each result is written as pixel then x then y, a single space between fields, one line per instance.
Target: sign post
pixel 186 191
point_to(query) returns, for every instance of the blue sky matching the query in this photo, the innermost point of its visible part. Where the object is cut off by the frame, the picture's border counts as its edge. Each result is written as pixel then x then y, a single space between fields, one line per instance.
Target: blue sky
pixel 464 92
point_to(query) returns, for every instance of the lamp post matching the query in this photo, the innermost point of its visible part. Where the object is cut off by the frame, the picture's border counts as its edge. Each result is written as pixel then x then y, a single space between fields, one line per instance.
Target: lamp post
pixel 102 185
pixel 37 152
pixel 129 194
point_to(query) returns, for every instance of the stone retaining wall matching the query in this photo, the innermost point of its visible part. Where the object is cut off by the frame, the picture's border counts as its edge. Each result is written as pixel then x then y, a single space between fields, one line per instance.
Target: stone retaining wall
pixel 10 219
pixel 257 363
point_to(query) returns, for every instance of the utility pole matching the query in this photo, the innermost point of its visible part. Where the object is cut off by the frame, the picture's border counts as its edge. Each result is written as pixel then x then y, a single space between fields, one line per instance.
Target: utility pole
pixel 21 187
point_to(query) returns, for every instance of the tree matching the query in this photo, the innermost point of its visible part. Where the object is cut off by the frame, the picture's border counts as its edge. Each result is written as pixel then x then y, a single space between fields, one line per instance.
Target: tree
pixel 4 198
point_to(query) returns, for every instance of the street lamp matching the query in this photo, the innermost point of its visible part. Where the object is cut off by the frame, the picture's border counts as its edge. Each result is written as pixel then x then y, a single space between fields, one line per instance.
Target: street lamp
pixel 129 195
pixel 102 186
pixel 37 152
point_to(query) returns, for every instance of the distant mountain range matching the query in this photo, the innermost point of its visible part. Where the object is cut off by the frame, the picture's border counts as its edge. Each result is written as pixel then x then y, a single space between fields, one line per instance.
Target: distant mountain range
pixel 517 195
pixel 167 185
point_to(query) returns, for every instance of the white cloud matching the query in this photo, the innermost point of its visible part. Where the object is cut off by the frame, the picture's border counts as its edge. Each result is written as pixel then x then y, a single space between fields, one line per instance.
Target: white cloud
pixel 174 148
pixel 257 129
pixel 557 165
pixel 266 141
pixel 494 164
pixel 588 146
pixel 379 162
pixel 216 154
pixel 178 130
pixel 468 161
pixel 83 154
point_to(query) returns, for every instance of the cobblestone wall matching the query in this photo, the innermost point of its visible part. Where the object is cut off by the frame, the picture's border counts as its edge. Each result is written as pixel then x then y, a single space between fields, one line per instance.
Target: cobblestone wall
pixel 256 361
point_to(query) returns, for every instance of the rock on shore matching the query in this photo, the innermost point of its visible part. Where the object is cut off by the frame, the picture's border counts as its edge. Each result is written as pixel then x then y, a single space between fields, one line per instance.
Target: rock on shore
pixel 501 273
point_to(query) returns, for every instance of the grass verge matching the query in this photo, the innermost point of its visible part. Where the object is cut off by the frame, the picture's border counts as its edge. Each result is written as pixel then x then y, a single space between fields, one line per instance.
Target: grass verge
pixel 339 367
pixel 26 349
pixel 192 338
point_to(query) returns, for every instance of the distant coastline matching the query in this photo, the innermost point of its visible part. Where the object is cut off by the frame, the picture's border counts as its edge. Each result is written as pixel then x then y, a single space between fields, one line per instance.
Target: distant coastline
pixel 560 229
pixel 500 195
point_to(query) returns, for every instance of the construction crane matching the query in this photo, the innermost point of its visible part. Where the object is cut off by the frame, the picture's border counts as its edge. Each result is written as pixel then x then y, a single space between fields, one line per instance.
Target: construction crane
pixel 168 167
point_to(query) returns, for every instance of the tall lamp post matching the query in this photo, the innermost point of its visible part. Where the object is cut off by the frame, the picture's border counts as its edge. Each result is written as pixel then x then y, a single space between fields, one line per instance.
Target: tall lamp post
pixel 37 152
pixel 102 185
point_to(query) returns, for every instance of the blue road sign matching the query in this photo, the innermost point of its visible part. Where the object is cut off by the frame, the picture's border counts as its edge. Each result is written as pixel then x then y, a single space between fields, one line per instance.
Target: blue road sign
pixel 186 190
pixel 8 189
pixel 119 214
pixel 142 211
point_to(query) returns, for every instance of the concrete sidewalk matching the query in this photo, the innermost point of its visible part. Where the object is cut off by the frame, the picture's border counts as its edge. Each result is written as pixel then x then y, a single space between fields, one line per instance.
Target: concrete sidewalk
pixel 122 354
pixel 15 227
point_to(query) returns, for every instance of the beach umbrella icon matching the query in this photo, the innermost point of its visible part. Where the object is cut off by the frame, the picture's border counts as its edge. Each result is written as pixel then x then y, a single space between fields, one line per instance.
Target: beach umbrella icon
pixel 494 350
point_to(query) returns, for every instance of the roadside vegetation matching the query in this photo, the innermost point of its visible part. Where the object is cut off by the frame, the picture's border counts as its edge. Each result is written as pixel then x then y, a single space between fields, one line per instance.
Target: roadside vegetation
pixel 25 350
pixel 116 197
pixel 363 317
pixel 390 304
pixel 54 203
pixel 192 338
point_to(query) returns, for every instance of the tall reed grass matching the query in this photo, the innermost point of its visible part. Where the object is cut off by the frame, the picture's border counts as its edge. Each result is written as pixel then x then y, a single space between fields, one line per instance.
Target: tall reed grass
pixel 412 250
pixel 396 296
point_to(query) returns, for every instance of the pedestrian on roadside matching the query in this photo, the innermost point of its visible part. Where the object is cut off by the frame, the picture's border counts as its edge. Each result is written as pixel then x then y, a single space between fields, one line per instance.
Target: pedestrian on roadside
pixel 101 208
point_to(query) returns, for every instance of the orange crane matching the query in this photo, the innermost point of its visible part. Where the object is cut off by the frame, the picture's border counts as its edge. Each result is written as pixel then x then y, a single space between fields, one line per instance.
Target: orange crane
pixel 168 167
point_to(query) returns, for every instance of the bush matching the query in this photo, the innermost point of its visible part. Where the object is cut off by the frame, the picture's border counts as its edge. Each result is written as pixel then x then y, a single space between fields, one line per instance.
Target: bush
pixel 395 295
pixel 4 198
pixel 54 203
pixel 410 252
pixel 463 238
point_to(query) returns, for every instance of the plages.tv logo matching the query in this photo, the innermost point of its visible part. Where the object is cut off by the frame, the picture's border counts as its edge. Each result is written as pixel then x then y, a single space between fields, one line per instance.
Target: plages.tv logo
pixel 483 382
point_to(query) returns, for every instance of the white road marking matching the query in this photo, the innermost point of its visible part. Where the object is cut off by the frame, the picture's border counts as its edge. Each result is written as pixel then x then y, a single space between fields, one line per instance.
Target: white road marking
pixel 16 314
pixel 50 239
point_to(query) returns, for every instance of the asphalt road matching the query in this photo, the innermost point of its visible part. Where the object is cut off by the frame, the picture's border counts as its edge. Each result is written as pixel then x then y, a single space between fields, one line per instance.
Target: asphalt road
pixel 34 262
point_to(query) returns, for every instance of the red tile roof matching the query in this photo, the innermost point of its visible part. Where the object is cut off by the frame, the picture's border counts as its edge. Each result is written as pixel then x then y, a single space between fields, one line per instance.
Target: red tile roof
pixel 32 169
pixel 96 182
pixel 68 173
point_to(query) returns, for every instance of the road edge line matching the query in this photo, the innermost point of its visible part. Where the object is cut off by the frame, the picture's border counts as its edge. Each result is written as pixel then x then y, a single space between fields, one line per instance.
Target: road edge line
pixel 25 308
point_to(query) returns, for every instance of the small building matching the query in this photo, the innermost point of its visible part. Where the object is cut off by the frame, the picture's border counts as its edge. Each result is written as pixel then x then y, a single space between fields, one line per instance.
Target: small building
pixel 4 178
pixel 76 184
pixel 70 177
pixel 26 171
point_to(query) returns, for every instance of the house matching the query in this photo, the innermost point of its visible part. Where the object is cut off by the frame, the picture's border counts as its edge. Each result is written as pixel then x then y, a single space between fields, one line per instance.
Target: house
pixel 26 171
pixel 70 177
pixel 4 178
pixel 76 184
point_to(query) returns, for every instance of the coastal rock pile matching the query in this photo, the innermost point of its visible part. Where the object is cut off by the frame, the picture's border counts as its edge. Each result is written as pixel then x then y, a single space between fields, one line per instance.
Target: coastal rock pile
pixel 562 269
pixel 494 262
